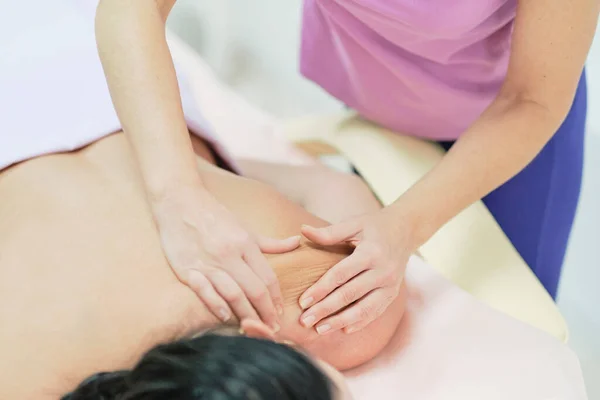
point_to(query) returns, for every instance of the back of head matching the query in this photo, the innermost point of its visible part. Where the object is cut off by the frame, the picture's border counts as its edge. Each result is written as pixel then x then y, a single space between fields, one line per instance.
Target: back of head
pixel 213 367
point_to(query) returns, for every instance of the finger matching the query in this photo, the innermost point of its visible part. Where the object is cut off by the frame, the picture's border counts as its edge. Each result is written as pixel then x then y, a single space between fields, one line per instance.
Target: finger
pixel 332 234
pixel 339 274
pixel 233 294
pixel 276 246
pixel 200 284
pixel 363 312
pixel 345 295
pixel 256 292
pixel 258 263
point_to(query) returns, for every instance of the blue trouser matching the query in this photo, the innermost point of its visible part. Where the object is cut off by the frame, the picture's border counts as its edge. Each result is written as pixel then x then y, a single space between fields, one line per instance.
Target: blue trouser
pixel 536 208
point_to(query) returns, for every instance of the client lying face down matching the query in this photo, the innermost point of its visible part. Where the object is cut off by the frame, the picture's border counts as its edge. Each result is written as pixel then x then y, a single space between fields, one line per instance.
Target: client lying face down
pixel 251 362
pixel 85 289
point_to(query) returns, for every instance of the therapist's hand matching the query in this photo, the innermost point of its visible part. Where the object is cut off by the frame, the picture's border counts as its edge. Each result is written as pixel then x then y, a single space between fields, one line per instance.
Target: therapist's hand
pixel 367 281
pixel 218 259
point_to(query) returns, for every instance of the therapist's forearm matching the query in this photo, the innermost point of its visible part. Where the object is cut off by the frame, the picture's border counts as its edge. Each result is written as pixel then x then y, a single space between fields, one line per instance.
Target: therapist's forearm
pixel 143 85
pixel 498 146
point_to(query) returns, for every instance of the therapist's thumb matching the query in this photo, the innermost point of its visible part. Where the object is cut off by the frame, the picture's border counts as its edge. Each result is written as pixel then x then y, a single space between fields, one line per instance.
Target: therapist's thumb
pixel 332 234
pixel 277 246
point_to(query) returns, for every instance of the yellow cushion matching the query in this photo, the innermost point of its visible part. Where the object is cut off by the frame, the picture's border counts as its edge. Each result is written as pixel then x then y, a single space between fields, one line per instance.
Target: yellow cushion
pixel 471 250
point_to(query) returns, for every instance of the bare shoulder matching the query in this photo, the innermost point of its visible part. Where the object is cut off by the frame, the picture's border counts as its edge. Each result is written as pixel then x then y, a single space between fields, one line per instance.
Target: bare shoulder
pixel 345 351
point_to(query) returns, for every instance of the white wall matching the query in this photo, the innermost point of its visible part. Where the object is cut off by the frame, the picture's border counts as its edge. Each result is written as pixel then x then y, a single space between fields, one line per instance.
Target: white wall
pixel 593 68
pixel 579 296
pixel 580 287
pixel 254 47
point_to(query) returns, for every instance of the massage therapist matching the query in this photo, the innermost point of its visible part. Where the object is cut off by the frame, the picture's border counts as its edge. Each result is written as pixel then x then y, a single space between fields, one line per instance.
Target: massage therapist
pixel 499 83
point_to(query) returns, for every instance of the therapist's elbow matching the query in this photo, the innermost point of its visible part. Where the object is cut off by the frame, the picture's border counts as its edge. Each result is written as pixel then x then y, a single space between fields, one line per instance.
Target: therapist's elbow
pixel 546 110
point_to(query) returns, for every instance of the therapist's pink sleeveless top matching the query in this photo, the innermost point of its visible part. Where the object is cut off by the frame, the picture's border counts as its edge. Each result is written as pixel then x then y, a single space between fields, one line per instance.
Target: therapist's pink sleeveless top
pixel 427 68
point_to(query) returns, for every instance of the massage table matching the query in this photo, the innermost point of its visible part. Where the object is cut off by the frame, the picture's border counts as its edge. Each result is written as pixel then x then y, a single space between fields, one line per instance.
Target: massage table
pixel 471 250
pixel 450 344
pixel 466 333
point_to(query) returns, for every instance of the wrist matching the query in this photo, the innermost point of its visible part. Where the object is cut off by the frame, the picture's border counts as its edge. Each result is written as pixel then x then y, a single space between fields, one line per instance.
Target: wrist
pixel 415 220
pixel 166 194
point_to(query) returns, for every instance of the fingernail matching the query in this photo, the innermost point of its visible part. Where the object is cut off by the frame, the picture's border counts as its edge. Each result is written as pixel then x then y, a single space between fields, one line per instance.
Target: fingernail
pixel 305 303
pixel 279 310
pixel 224 314
pixel 321 329
pixel 308 321
pixel 276 328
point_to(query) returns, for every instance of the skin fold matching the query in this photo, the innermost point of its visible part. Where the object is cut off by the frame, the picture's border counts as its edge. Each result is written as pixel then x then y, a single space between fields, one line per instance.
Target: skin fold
pixel 85 287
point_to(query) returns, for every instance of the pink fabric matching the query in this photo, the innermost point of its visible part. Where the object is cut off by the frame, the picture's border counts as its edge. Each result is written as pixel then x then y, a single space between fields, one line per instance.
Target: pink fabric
pixel 425 68
pixel 450 346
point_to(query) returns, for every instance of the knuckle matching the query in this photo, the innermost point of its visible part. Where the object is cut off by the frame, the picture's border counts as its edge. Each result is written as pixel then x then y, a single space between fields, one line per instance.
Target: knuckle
pixel 389 277
pixel 381 280
pixel 365 312
pixel 216 276
pixel 232 245
pixel 258 295
pixel 338 322
pixel 272 284
pixel 222 250
pixel 339 277
pixel 233 295
pixel 199 286
pixel 191 276
pixel 325 311
pixel 270 279
pixel 376 253
pixel 349 295
pixel 242 239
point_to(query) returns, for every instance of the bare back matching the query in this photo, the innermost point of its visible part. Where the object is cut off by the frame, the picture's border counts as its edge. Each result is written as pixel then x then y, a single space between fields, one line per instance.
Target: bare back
pixel 84 286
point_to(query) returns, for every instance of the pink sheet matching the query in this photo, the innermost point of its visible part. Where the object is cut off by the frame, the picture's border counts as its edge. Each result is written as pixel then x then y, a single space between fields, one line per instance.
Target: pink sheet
pixel 450 346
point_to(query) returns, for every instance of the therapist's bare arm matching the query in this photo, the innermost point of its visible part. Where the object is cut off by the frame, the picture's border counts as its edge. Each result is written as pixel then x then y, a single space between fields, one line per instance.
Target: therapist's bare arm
pixel 206 246
pixel 139 69
pixel 550 42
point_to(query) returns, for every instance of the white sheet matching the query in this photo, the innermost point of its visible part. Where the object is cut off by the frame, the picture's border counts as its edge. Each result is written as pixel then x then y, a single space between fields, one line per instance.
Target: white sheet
pixel 53 94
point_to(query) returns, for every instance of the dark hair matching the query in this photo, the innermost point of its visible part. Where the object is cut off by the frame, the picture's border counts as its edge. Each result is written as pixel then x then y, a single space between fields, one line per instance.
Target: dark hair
pixel 213 367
